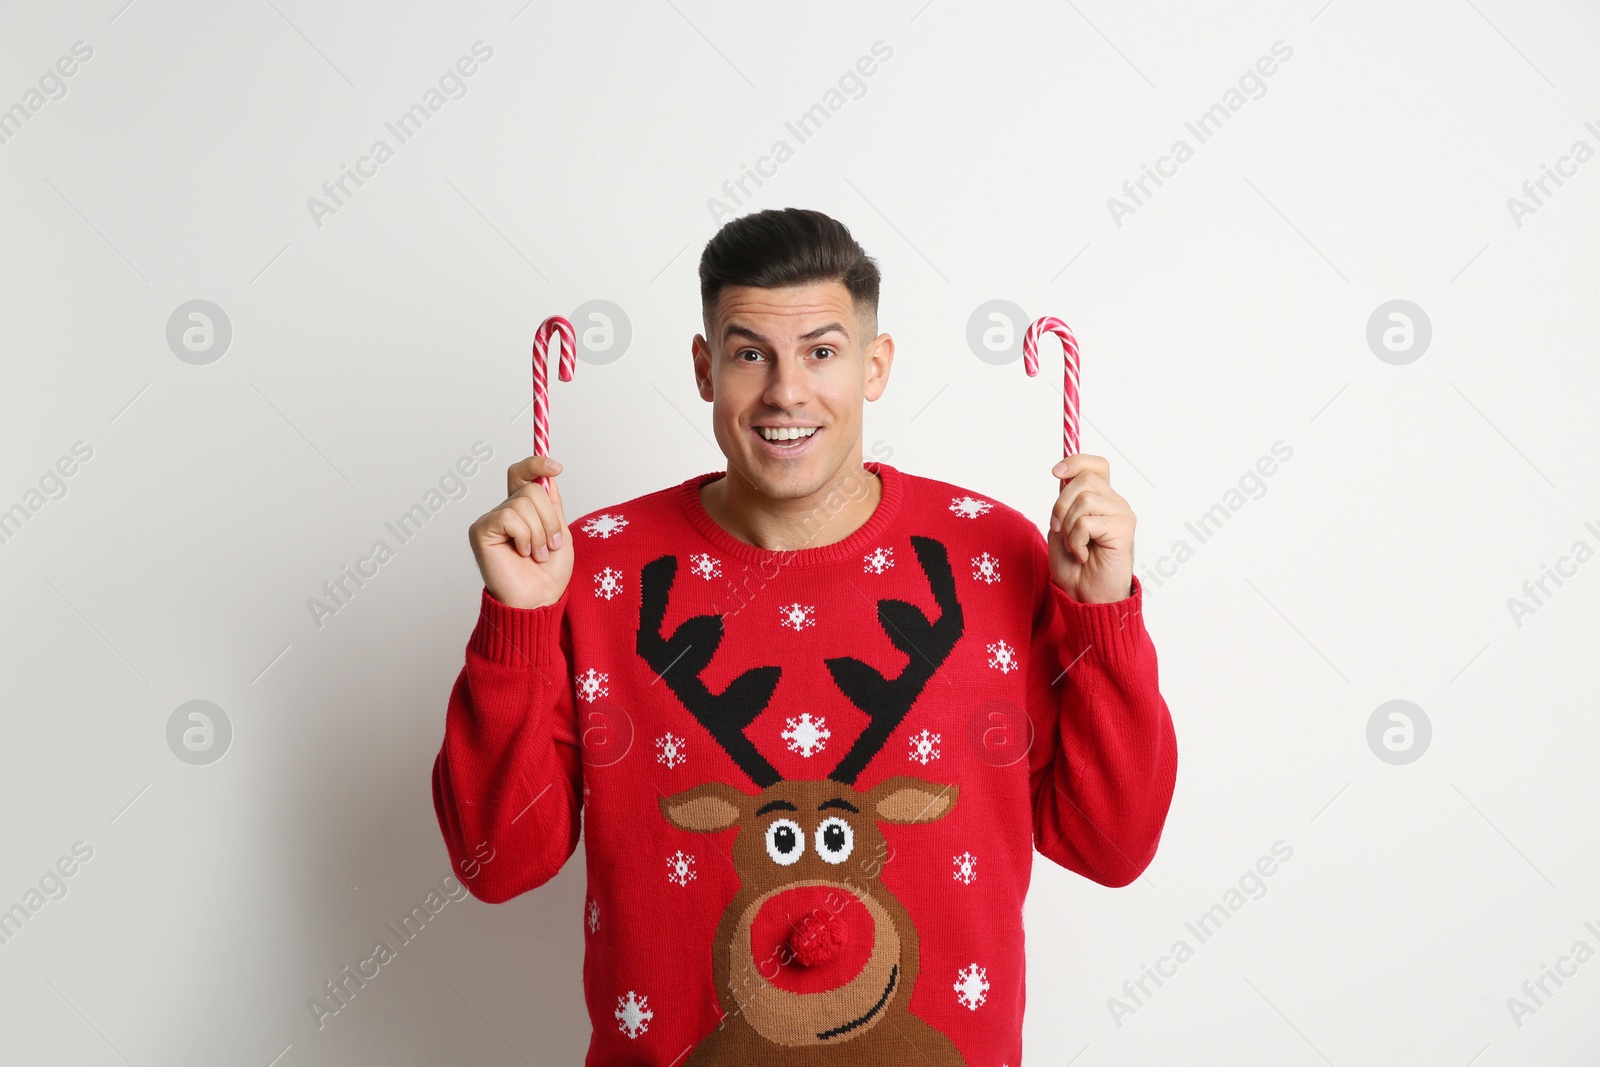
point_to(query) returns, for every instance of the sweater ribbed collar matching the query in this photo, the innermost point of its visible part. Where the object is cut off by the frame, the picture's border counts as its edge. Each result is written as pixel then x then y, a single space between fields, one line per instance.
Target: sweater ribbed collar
pixel 857 544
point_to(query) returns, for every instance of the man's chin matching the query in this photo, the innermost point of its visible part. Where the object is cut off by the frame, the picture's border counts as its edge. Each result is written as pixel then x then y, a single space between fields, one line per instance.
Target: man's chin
pixel 791 480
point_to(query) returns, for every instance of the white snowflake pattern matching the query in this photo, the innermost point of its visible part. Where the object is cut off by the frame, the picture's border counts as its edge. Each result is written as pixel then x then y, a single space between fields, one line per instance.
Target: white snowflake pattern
pixel 594 916
pixel 604 525
pixel 705 565
pixel 986 568
pixel 806 735
pixel 966 868
pixel 878 560
pixel 592 684
pixel 925 747
pixel 670 749
pixel 797 616
pixel 972 986
pixel 608 583
pixel 680 868
pixel 633 1014
pixel 1002 657
pixel 969 507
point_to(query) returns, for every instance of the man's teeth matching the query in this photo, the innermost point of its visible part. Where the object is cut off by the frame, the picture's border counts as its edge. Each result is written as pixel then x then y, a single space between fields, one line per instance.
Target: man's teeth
pixel 786 433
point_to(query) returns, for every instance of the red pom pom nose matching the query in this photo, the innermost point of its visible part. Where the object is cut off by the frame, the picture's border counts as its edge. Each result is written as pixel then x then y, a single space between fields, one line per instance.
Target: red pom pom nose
pixel 818 938
pixel 811 938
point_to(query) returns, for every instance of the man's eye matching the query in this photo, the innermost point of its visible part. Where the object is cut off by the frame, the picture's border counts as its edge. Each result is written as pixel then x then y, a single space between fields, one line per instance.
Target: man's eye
pixel 746 352
pixel 825 352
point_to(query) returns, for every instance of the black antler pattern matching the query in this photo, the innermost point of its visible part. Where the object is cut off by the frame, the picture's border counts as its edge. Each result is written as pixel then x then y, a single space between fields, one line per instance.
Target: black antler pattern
pixel 679 659
pixel 888 700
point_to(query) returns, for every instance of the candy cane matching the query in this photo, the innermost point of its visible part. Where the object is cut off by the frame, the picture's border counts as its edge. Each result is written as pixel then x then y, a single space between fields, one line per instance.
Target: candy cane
pixel 541 386
pixel 1069 389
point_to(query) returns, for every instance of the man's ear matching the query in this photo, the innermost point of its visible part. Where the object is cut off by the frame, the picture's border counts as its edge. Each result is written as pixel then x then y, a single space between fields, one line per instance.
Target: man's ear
pixel 705 809
pixel 880 357
pixel 701 354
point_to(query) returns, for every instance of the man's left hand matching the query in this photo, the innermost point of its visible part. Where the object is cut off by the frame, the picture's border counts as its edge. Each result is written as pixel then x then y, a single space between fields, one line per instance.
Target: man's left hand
pixel 1091 533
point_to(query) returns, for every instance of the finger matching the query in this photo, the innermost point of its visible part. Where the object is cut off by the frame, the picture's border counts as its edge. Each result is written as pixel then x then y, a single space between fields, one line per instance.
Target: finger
pixel 1087 481
pixel 528 470
pixel 538 532
pixel 558 530
pixel 1086 529
pixel 544 507
pixel 507 525
pixel 1091 504
pixel 1075 490
pixel 1094 483
pixel 1079 462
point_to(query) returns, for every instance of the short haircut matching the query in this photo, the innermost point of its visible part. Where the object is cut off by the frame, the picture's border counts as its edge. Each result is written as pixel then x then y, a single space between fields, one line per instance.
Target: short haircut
pixel 776 249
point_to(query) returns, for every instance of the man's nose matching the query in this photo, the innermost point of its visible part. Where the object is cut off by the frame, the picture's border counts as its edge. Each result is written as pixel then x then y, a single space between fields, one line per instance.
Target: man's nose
pixel 787 385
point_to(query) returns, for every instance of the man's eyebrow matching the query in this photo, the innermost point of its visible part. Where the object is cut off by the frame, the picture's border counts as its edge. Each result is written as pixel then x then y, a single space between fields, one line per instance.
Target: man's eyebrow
pixel 827 327
pixel 743 331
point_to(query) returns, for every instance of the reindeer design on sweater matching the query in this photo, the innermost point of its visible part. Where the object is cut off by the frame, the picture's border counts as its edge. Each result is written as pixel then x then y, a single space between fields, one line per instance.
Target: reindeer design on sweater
pixel 814 959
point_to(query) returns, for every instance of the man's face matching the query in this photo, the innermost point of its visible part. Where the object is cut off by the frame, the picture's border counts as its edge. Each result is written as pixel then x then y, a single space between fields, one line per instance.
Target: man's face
pixel 793 359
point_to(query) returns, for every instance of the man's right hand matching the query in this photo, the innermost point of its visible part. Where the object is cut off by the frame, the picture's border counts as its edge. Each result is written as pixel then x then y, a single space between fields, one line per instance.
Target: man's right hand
pixel 523 546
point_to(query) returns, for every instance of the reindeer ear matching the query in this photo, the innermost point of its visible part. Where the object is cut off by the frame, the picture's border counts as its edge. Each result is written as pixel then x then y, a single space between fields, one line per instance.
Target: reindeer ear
pixel 705 809
pixel 903 799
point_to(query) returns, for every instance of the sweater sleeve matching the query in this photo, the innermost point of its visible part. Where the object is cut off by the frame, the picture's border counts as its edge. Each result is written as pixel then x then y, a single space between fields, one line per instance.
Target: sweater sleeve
pixel 1104 758
pixel 508 780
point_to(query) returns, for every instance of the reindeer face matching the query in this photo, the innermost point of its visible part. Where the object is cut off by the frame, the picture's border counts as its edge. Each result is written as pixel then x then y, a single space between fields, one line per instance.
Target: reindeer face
pixel 813 947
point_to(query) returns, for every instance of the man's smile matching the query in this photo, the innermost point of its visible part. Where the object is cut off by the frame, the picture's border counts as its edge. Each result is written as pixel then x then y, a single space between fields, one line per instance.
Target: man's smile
pixel 785 441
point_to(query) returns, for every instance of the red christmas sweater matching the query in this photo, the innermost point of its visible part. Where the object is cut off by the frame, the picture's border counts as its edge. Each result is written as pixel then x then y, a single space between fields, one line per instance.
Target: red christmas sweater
pixel 811 781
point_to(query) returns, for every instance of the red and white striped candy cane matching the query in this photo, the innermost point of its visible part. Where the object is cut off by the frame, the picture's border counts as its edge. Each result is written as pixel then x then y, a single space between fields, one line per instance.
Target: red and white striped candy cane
pixel 1069 388
pixel 541 385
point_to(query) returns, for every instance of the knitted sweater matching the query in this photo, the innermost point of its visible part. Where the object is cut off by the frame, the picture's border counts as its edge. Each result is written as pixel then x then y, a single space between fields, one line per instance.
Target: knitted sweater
pixel 811 781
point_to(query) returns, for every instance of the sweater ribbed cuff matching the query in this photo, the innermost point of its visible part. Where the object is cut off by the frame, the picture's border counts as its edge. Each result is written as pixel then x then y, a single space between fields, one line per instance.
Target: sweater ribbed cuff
pixel 519 638
pixel 1115 631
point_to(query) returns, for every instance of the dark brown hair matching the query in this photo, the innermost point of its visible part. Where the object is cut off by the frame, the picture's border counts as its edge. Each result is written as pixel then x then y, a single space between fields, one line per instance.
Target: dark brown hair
pixel 774 249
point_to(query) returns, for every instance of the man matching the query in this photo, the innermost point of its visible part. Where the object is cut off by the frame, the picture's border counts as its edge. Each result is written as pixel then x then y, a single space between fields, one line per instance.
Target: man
pixel 815 712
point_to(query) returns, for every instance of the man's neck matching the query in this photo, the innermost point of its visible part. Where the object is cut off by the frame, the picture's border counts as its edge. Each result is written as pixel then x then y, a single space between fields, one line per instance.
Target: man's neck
pixel 829 515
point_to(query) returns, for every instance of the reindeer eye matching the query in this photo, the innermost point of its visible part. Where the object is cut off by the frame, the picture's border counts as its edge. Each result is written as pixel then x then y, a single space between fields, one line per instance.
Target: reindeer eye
pixel 785 841
pixel 835 839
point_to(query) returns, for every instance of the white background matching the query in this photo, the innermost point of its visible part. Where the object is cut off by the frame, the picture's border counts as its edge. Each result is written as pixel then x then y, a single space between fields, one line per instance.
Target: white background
pixel 1227 313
